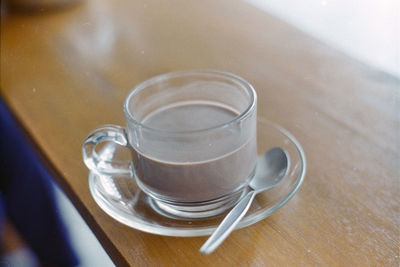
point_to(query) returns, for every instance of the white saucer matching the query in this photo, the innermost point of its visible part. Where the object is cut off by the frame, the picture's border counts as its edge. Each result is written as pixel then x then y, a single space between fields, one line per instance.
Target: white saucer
pixel 120 197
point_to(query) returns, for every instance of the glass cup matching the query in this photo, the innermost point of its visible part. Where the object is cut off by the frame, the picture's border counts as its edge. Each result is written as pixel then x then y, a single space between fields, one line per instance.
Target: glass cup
pixel 192 136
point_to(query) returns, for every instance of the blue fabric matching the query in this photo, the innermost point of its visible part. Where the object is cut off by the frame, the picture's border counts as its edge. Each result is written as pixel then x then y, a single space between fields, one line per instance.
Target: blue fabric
pixel 27 197
pixel 1 217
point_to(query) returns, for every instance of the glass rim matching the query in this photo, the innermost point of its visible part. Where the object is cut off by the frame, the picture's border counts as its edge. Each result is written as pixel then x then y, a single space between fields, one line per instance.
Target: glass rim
pixel 166 76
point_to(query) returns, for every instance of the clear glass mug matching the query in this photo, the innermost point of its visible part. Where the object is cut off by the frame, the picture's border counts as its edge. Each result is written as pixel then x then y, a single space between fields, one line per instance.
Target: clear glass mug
pixel 192 135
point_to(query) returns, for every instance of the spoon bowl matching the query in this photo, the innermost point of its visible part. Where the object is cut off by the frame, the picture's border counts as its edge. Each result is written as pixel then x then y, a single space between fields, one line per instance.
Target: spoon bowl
pixel 272 167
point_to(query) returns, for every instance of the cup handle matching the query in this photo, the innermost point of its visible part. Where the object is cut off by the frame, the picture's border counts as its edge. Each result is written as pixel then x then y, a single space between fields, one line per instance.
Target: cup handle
pixel 98 164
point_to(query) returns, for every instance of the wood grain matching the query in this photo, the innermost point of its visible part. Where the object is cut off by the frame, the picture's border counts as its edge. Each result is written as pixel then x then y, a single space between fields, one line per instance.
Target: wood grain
pixel 63 73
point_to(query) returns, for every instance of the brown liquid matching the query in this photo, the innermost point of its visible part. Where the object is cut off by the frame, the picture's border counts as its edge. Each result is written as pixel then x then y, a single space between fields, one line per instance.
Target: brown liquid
pixel 203 172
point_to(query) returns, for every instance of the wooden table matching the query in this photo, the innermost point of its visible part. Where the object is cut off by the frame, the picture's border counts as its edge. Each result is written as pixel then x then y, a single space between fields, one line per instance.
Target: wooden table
pixel 65 72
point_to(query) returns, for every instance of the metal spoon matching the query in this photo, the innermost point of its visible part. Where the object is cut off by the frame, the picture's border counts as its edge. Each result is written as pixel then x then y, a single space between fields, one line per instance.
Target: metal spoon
pixel 272 167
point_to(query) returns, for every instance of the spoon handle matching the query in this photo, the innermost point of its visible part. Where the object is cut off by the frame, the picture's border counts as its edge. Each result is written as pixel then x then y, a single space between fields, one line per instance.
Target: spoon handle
pixel 228 224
